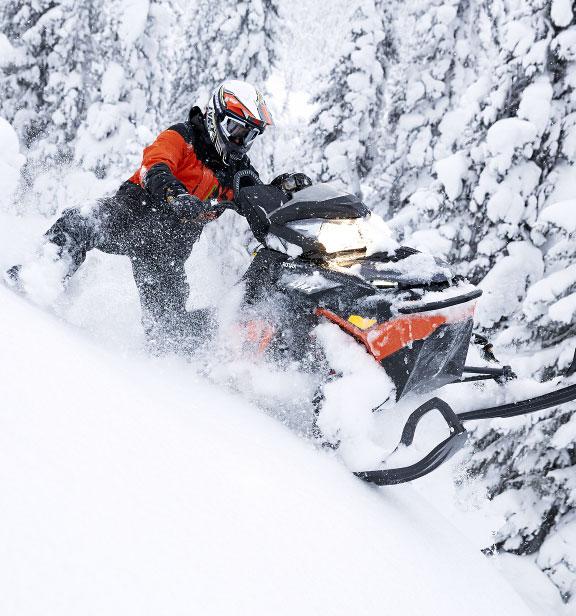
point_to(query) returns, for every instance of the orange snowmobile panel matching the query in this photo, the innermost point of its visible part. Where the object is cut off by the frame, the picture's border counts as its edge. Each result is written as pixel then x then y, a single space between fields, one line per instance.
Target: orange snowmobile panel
pixel 385 339
pixel 259 332
pixel 171 149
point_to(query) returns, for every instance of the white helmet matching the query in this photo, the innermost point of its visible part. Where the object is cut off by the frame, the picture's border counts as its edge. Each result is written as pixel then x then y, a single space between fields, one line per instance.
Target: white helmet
pixel 235 116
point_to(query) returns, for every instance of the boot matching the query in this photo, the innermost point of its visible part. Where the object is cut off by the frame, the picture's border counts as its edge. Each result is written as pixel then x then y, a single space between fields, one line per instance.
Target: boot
pixel 42 279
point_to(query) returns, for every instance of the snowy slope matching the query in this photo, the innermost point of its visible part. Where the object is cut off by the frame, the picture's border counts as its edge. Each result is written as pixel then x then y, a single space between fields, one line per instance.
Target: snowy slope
pixel 130 486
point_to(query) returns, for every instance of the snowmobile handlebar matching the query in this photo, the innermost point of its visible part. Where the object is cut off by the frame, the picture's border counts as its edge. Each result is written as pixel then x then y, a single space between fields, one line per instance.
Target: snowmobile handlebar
pixel 219 207
pixel 242 179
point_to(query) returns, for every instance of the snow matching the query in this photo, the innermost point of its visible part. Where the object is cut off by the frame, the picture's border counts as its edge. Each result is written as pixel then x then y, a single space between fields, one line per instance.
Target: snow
pixel 506 284
pixel 431 241
pixel 130 485
pixel 561 214
pixel 10 163
pixel 42 279
pixel 561 12
pixel 548 290
pixel 564 310
pixel 535 103
pixel 541 594
pixel 508 134
pixel 8 53
pixel 555 555
pixel 451 171
pixel 113 83
pixel 564 44
pixel 505 205
pixel 133 15
pixel 518 38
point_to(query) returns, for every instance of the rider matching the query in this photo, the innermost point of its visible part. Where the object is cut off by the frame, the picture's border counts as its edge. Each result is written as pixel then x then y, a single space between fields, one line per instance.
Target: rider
pixel 158 214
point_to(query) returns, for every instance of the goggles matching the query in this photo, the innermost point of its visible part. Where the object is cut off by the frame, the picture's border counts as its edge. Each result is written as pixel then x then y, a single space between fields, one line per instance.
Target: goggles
pixel 239 132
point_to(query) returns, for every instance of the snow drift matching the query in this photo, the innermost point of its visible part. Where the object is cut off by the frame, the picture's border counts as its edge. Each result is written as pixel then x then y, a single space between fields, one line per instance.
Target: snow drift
pixel 130 486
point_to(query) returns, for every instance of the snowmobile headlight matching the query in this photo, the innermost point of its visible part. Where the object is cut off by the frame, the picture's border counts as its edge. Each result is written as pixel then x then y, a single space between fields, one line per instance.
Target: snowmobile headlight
pixel 334 235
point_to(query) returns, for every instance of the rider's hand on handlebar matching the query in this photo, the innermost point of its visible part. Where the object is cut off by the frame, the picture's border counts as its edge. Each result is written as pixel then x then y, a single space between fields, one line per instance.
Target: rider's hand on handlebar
pixel 184 206
pixel 212 210
pixel 291 182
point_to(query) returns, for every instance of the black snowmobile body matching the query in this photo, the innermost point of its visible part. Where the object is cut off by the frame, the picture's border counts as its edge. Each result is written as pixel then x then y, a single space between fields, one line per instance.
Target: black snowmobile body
pixel 408 309
pixel 378 299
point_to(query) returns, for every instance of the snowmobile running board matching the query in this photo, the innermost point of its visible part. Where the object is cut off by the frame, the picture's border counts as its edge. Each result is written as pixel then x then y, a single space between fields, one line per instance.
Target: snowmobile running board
pixel 458 434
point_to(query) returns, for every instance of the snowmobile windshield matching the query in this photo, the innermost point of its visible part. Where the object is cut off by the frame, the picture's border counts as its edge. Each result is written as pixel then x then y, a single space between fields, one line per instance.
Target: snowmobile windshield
pixel 369 234
pixel 318 192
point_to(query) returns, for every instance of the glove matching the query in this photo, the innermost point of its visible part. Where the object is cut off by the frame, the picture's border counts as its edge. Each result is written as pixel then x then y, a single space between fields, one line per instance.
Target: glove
pixel 185 206
pixel 291 182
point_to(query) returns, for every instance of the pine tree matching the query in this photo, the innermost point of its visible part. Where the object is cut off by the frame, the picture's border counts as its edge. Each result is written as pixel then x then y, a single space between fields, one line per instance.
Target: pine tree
pixel 132 93
pixel 224 40
pixel 478 155
pixel 349 103
pixel 44 88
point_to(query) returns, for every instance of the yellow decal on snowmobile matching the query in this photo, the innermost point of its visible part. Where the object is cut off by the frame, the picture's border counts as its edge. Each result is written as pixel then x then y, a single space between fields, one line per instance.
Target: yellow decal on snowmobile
pixel 361 322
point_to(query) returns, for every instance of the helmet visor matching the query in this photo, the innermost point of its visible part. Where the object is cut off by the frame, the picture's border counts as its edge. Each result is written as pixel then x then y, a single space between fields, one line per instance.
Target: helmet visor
pixel 239 132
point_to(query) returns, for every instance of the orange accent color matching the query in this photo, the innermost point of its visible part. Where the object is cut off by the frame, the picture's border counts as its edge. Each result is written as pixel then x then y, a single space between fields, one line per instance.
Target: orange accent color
pixel 385 339
pixel 235 106
pixel 259 332
pixel 171 149
pixel 267 117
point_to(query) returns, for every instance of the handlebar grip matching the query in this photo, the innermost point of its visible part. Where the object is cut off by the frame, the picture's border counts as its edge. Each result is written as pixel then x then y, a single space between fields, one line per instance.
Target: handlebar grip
pixel 244 177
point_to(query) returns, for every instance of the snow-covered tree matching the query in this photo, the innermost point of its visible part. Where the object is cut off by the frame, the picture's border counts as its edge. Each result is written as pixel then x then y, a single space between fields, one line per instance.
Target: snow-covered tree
pixel 45 80
pixel 80 82
pixel 224 40
pixel 480 170
pixel 132 92
pixel 349 102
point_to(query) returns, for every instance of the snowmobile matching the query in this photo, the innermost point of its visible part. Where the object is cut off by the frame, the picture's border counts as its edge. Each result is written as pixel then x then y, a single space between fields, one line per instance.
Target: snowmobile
pixel 323 253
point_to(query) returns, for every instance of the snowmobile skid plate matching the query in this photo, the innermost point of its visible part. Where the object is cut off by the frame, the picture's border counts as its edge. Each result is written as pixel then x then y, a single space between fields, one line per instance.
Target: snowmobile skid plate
pixel 458 435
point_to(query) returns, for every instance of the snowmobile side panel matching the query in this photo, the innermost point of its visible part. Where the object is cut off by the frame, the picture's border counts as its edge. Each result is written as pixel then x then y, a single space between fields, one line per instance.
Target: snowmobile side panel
pixel 428 364
pixel 384 339
pixel 440 360
pixel 420 353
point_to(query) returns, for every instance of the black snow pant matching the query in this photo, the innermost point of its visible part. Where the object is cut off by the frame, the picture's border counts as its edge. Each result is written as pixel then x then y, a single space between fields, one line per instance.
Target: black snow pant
pixel 130 223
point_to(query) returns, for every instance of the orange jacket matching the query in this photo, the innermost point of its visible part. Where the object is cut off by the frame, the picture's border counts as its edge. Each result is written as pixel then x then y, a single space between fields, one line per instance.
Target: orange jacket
pixel 171 149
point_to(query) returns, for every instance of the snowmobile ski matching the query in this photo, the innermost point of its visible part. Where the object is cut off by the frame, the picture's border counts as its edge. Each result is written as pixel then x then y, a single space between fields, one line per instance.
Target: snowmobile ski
pixel 458 434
